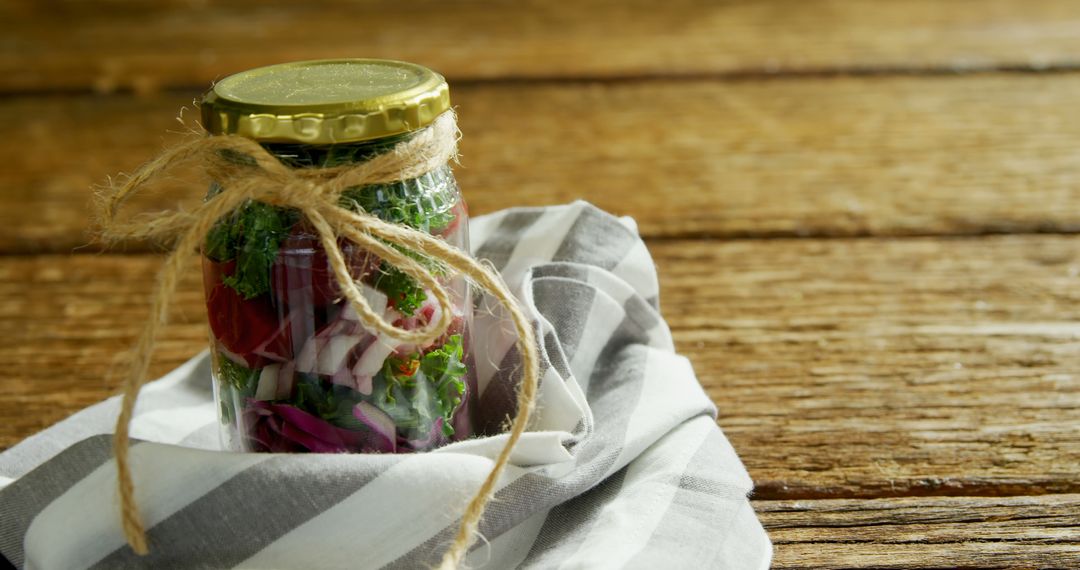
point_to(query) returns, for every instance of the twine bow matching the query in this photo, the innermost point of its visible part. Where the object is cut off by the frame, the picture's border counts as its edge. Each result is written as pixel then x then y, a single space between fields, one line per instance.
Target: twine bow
pixel 248 172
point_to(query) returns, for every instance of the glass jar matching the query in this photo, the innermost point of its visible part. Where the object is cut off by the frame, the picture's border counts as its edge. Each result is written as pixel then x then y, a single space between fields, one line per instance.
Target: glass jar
pixel 294 369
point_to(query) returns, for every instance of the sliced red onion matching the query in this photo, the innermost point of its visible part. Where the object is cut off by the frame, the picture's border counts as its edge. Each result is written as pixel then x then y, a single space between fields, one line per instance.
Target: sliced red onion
pixel 382 427
pixel 343 377
pixel 457 325
pixel 290 431
pixel 315 433
pixel 334 355
pixel 363 384
pixel 429 311
pixel 263 429
pixel 434 437
pixel 308 357
pixel 337 327
pixel 285 428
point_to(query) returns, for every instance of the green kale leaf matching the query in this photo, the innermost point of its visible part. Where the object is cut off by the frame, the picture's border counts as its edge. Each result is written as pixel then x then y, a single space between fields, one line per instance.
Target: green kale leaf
pixel 241 378
pixel 237 382
pixel 331 402
pixel 445 370
pixel 417 389
pixel 252 236
pixel 399 203
pixel 403 291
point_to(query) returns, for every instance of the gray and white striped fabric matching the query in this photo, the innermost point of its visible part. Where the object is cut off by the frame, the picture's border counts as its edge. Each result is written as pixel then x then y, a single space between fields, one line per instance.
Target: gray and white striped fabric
pixel 624 466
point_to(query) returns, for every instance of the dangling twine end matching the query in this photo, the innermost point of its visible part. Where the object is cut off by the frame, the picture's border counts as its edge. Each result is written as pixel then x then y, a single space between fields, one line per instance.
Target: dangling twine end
pixel 130 518
pixel 526 402
pixel 137 541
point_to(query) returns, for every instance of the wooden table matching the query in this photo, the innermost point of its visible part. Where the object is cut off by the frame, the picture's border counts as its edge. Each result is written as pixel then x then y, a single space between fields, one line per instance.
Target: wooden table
pixel 864 216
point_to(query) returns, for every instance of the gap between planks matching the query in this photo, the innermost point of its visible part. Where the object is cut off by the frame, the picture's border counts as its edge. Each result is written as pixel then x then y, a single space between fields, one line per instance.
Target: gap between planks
pixel 807 158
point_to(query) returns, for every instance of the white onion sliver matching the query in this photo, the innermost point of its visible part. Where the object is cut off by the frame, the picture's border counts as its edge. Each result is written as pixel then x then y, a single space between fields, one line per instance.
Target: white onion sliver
pixel 268 383
pixel 371 361
pixel 376 300
pixel 380 420
pixel 363 384
pixel 308 357
pixel 285 381
pixel 335 328
pixel 343 377
pixel 332 356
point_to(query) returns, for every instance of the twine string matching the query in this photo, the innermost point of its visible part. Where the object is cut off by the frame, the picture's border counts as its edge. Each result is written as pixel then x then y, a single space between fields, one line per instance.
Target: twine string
pixel 249 172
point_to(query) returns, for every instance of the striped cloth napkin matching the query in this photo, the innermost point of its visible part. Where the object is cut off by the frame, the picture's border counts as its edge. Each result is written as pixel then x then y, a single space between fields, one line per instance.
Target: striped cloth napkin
pixel 624 466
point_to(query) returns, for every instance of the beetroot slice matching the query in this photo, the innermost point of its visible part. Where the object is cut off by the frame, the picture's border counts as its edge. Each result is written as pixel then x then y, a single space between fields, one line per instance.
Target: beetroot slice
pixel 249 328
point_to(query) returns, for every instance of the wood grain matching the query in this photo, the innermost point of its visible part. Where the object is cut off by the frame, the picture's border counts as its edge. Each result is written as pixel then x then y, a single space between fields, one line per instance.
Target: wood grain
pixel 960 532
pixel 802 157
pixel 108 46
pixel 870 368
pixel 68 323
pixel 842 368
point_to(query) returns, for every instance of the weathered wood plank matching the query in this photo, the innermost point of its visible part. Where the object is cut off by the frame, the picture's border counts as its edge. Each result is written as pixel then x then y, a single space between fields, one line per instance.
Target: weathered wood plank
pixel 955 532
pixel 887 367
pixel 146 45
pixel 840 156
pixel 842 368
pixel 67 323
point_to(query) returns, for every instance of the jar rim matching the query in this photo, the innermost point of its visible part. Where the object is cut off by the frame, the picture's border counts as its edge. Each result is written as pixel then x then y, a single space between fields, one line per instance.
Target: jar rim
pixel 326 101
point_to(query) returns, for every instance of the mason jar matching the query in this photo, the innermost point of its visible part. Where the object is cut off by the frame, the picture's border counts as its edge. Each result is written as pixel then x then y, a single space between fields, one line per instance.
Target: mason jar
pixel 294 368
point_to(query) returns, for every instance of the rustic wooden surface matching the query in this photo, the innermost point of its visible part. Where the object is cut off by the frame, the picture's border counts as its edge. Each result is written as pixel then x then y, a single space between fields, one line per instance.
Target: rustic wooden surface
pixel 782 157
pixel 863 214
pixel 936 532
pixel 143 46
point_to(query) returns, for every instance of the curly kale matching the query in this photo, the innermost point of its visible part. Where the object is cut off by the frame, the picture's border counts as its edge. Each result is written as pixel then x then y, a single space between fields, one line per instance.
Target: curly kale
pixel 419 388
pixel 241 378
pixel 237 382
pixel 252 236
pixel 403 291
pixel 445 370
pixel 430 212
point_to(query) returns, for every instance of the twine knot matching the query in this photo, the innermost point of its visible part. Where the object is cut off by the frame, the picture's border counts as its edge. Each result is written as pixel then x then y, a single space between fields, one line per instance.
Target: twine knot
pixel 294 192
pixel 246 171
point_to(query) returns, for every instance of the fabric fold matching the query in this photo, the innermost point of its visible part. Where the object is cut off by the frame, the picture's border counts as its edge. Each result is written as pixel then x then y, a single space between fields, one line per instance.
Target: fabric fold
pixel 623 466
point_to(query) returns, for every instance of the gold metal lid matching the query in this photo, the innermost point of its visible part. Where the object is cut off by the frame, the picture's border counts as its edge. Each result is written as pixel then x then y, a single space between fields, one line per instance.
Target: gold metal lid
pixel 326 101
